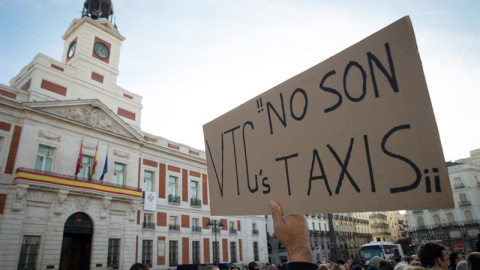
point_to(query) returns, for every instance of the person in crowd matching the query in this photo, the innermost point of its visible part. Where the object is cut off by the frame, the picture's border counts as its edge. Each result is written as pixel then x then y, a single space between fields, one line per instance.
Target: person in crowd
pixel 433 255
pixel 323 267
pixel 385 265
pixel 139 266
pixel 455 258
pixel 414 257
pixel 292 231
pixel 462 265
pixel 253 266
pixel 477 244
pixel 358 267
pixel 210 267
pixel 396 256
pixel 337 266
pixel 400 266
pixel 374 263
pixel 283 266
pixel 473 261
pixel 407 259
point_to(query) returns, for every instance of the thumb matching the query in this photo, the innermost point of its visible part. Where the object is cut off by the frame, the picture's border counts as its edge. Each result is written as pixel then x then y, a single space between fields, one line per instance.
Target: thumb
pixel 277 213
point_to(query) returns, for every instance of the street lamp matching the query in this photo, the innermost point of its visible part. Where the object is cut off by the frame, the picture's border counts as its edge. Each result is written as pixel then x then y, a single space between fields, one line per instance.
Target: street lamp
pixel 215 224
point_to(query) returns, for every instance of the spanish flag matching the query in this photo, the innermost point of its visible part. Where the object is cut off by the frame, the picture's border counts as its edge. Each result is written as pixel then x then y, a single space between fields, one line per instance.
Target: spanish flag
pixel 95 161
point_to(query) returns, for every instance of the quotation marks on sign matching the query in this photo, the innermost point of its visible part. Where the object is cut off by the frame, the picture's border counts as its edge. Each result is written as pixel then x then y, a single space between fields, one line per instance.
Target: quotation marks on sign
pixel 260 105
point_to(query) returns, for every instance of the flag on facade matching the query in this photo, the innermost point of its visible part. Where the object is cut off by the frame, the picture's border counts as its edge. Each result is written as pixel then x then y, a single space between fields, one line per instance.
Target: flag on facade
pixel 95 161
pixel 105 167
pixel 79 160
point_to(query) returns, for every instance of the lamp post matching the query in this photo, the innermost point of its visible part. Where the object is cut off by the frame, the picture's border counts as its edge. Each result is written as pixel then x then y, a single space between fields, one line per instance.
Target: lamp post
pixel 215 224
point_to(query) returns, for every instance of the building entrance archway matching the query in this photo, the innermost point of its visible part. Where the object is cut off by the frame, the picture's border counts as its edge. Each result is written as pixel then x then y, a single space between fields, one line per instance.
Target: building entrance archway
pixel 77 243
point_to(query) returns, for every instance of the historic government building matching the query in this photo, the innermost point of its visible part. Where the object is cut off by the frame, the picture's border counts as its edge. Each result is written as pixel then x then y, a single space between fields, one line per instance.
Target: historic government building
pixel 83 187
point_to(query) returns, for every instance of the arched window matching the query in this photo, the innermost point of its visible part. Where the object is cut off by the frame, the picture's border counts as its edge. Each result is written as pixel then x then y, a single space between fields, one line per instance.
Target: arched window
pixel 436 219
pixel 450 218
pixel 420 222
pixel 468 215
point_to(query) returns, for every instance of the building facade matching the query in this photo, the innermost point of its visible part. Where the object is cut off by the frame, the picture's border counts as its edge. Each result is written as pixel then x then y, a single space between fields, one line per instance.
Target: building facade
pixel 457 228
pixel 83 187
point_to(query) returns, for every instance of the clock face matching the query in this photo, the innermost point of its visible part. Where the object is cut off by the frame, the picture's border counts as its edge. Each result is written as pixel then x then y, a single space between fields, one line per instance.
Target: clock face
pixel 71 49
pixel 101 50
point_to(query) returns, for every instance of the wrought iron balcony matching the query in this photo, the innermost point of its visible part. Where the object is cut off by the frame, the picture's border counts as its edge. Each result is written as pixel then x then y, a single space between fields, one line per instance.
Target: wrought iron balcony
pixel 460 185
pixel 464 202
pixel 173 199
pixel 378 224
pixel 217 230
pixel 49 180
pixel 232 231
pixel 195 202
pixel 174 227
pixel 255 232
pixel 378 215
pixel 196 229
pixel 148 225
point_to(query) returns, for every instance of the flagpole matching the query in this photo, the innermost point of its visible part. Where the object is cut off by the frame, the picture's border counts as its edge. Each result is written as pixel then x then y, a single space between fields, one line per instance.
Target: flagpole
pixel 95 160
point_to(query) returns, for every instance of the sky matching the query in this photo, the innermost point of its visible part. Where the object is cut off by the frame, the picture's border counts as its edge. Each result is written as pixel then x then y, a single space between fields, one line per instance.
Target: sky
pixel 193 61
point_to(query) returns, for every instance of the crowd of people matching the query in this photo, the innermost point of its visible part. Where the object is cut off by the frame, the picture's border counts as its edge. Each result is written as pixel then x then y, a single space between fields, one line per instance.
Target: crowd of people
pixel 292 231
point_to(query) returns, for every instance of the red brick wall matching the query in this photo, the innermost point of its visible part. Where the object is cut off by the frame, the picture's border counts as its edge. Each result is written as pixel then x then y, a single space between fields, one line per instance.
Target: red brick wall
pixel 12 154
pixel 161 183
pixel 225 250
pixel 206 250
pixel 161 259
pixel 185 221
pixel 240 249
pixel 194 173
pixel 8 94
pixel 185 250
pixel 238 225
pixel 205 222
pixel 3 199
pixel 173 168
pixel 97 77
pixel 126 114
pixel 5 126
pixel 56 67
pixel 205 189
pixel 53 87
pixel 149 162
pixel 225 224
pixel 184 185
pixel 138 216
pixel 161 219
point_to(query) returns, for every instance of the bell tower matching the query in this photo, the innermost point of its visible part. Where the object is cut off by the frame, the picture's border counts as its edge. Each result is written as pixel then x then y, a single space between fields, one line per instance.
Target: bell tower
pixel 93 44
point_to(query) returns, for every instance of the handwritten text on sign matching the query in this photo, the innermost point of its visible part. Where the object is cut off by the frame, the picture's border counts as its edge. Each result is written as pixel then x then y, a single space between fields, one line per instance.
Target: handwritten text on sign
pixel 354 133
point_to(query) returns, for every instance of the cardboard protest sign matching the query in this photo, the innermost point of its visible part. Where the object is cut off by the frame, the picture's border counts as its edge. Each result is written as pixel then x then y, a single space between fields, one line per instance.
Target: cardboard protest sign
pixel 354 133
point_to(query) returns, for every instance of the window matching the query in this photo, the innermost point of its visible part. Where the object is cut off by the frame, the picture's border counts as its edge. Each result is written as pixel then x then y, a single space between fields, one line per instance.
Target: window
pixel 463 198
pixel 233 252
pixel 118 173
pixel 196 251
pixel 173 225
pixel 147 250
pixel 29 252
pixel 254 228
pixel 420 222
pixel 255 251
pixel 44 160
pixel 231 227
pixel 148 180
pixel 215 251
pixel 87 163
pixel 194 190
pixel 450 218
pixel 173 253
pixel 113 258
pixel 196 225
pixel 458 182
pixel 468 215
pixel 148 221
pixel 173 190
pixel 436 219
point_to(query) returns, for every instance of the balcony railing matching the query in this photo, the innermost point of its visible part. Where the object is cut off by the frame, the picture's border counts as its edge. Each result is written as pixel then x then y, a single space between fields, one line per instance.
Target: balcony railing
pixel 378 215
pixel 196 229
pixel 379 224
pixel 464 202
pixel 173 199
pixel 462 185
pixel 50 179
pixel 195 202
pixel 217 230
pixel 255 232
pixel 148 225
pixel 174 227
pixel 232 231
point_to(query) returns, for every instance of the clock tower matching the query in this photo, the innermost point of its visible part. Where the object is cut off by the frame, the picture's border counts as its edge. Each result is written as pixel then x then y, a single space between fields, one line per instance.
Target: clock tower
pixel 93 43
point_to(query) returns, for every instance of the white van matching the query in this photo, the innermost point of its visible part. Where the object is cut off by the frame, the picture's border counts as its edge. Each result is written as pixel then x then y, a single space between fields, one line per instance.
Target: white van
pixel 384 250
